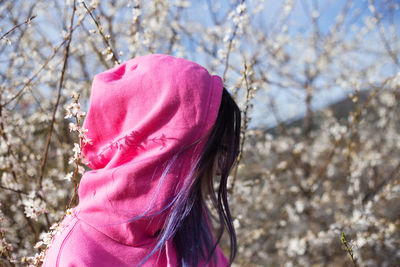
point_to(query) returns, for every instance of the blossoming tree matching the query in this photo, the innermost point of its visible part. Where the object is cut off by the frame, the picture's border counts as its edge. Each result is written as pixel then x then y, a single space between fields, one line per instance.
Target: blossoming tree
pixel 316 184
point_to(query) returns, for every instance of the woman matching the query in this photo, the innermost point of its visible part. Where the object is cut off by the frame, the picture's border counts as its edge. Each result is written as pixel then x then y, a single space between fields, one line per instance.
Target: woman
pixel 161 128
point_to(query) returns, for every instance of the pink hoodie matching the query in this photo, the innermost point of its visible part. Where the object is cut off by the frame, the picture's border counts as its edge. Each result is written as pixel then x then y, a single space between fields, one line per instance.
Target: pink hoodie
pixel 141 114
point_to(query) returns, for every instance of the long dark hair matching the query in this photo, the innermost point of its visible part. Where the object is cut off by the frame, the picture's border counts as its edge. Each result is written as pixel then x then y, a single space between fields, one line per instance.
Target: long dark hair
pixel 189 221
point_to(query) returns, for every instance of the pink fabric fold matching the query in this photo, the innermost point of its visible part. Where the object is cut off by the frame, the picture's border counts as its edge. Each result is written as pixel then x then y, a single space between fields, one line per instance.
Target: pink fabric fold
pixel 143 114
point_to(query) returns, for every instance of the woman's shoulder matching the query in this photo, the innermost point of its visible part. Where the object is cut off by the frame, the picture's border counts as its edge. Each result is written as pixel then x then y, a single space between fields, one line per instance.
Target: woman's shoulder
pixel 81 245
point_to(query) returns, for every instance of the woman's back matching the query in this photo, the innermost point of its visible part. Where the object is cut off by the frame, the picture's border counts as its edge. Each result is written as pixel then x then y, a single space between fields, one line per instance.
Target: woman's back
pixel 149 122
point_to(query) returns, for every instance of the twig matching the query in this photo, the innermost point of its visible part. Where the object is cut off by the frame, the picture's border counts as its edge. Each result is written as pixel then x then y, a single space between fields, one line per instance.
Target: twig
pixel 231 44
pixel 14 190
pixel 17 26
pixel 77 162
pixel 60 85
pixel 349 249
pixel 105 38
pixel 96 50
pixel 244 125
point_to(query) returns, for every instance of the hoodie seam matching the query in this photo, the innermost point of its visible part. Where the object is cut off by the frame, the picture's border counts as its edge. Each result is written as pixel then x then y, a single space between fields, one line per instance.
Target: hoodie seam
pixel 64 242
pixel 124 244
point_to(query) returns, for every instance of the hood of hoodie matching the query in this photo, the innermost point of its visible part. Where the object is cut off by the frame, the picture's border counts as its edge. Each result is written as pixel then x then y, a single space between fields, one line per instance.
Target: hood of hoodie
pixel 148 119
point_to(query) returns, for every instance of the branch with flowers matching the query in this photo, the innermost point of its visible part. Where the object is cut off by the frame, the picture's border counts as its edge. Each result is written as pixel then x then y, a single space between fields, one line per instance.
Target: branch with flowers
pixel 250 93
pixel 27 22
pixel 109 51
pixel 73 110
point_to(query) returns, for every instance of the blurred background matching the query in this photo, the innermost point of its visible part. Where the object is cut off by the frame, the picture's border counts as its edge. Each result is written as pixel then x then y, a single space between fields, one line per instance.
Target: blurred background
pixel 317 81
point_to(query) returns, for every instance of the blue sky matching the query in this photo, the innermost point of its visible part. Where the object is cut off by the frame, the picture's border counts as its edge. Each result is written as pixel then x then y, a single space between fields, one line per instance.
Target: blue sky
pixel 291 106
